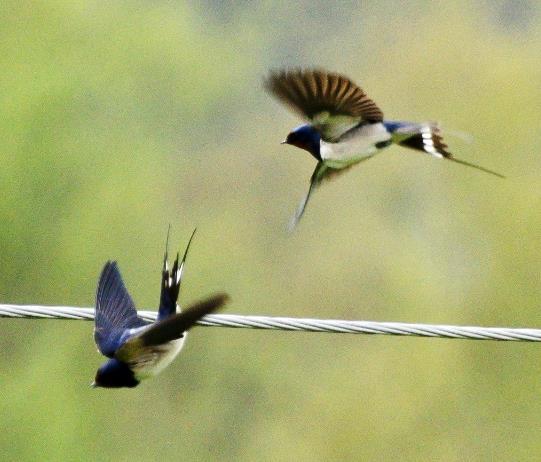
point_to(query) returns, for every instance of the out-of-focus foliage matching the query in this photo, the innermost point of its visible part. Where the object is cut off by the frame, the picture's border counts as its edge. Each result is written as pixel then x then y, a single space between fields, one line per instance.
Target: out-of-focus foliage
pixel 118 118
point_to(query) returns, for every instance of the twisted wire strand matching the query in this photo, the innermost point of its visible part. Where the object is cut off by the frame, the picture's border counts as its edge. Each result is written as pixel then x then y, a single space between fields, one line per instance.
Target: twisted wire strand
pixel 297 324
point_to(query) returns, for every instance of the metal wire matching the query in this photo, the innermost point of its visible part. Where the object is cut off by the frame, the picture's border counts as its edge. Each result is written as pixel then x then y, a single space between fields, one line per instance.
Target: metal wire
pixel 297 324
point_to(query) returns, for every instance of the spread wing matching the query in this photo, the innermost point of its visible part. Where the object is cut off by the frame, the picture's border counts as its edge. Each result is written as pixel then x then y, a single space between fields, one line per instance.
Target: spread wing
pixel 115 311
pixel 171 280
pixel 169 329
pixel 332 102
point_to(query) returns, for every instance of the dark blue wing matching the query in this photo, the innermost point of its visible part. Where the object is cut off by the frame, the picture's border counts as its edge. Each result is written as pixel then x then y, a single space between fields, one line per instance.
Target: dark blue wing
pixel 115 311
pixel 171 281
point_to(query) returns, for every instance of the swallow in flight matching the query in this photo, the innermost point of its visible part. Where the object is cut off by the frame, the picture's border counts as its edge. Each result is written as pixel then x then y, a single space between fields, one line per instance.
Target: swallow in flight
pixel 344 126
pixel 139 349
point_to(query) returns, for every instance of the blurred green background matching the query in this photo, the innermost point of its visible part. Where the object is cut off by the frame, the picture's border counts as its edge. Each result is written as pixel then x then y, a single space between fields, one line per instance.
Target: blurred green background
pixel 118 118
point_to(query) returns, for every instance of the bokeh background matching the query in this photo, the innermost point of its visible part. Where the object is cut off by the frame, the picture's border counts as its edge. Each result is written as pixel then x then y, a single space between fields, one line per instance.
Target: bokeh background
pixel 118 118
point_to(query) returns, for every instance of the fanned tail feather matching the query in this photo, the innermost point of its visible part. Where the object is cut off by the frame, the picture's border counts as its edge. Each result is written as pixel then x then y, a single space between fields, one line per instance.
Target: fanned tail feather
pixel 171 280
pixel 427 138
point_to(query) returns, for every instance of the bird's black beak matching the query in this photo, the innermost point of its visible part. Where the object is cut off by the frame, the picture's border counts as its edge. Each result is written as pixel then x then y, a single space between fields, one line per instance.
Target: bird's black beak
pixel 93 385
pixel 284 142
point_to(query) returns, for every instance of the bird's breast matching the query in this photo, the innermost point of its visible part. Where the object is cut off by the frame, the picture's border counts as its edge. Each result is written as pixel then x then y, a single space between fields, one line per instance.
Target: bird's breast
pixel 152 360
pixel 358 143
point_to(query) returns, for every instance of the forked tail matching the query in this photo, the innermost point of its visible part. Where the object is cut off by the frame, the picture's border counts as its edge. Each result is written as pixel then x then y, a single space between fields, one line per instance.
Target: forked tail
pixel 171 280
pixel 426 137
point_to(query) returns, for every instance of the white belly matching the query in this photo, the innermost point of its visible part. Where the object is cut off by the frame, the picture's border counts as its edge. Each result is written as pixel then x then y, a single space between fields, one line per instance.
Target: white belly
pixel 156 359
pixel 359 144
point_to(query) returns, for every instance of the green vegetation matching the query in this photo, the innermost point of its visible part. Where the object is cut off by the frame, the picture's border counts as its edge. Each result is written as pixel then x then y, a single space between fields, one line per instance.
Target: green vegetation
pixel 118 118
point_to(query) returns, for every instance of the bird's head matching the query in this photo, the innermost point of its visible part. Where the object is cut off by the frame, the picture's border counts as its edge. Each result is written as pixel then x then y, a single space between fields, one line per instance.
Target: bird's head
pixel 305 137
pixel 115 374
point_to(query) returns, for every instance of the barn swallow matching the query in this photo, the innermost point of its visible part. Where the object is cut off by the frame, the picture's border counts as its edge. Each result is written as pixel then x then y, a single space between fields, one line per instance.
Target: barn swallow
pixel 345 126
pixel 138 349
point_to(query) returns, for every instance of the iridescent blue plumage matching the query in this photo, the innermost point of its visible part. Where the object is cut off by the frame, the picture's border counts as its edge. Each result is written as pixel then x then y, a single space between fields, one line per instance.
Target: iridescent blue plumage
pixel 345 126
pixel 138 349
pixel 305 137
pixel 115 311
